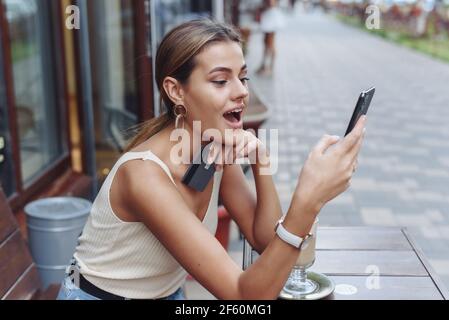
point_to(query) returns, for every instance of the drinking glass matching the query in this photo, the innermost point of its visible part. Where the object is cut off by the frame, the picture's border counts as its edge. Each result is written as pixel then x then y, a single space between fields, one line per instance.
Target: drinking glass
pixel 298 284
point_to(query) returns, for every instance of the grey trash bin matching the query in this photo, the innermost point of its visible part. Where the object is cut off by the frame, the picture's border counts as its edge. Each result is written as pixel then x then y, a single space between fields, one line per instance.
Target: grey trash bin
pixel 54 225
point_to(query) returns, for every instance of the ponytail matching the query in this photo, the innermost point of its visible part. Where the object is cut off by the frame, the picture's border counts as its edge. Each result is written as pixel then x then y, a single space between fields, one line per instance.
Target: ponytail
pixel 147 129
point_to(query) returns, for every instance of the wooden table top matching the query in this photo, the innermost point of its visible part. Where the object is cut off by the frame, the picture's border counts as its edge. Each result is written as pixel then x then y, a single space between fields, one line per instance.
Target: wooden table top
pixel 372 263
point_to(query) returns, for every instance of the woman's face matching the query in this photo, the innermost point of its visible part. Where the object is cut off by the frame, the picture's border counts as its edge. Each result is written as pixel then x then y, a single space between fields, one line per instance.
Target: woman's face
pixel 217 91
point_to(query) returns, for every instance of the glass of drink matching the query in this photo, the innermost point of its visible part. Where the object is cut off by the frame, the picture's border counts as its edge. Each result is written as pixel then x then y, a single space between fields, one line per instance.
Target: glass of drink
pixel 298 284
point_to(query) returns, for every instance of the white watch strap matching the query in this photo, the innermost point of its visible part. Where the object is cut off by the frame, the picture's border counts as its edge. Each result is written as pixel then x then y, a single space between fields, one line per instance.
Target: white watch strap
pixel 288 237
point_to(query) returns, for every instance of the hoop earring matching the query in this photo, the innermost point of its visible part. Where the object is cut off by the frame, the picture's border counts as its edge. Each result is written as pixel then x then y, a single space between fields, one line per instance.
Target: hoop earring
pixel 179 115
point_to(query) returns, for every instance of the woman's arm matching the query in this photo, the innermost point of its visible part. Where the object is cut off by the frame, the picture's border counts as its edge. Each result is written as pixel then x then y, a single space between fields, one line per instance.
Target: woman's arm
pixel 268 210
pixel 153 199
pixel 256 215
pixel 164 212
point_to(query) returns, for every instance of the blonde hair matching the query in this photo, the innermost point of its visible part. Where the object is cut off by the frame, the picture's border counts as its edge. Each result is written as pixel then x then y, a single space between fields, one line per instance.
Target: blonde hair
pixel 175 57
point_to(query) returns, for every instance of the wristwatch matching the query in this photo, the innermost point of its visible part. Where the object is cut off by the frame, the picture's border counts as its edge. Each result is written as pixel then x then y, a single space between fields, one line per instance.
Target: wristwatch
pixel 290 238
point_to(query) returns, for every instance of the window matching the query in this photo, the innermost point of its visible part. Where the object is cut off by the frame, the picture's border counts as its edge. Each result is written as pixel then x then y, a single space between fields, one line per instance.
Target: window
pixel 169 14
pixel 6 164
pixel 41 130
pixel 114 81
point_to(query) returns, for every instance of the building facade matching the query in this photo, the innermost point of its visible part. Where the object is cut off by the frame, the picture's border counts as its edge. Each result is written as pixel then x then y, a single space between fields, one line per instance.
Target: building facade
pixel 74 76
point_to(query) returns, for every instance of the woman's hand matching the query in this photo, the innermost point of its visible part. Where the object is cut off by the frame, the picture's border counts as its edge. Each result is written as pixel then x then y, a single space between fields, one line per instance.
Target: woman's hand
pixel 329 168
pixel 244 145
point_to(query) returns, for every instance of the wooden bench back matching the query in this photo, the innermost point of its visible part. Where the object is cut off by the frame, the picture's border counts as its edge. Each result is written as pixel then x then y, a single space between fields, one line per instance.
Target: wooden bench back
pixel 19 278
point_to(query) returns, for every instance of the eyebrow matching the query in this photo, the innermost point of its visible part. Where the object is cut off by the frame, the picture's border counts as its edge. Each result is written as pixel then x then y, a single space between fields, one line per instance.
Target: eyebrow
pixel 227 69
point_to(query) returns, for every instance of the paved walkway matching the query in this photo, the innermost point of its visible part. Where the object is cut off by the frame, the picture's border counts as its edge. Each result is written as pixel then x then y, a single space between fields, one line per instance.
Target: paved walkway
pixel 403 175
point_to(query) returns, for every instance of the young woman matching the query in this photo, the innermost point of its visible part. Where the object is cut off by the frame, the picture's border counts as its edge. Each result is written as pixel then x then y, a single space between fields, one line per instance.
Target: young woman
pixel 147 229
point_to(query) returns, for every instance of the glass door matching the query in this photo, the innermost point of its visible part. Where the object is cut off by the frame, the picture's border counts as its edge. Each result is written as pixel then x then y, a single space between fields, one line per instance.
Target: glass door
pixel 114 81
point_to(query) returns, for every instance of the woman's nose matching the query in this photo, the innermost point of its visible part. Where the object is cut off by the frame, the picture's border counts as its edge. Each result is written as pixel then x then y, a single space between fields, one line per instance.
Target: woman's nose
pixel 240 91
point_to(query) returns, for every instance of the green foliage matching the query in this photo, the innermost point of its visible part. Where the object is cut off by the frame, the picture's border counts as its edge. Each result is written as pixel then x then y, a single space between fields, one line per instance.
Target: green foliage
pixel 431 44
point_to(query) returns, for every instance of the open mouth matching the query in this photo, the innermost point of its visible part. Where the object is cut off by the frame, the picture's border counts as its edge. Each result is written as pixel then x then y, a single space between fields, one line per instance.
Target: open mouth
pixel 233 116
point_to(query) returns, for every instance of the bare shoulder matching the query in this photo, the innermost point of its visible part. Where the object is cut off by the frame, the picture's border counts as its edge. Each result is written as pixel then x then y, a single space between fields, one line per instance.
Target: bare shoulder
pixel 157 203
pixel 137 168
pixel 140 176
pixel 133 183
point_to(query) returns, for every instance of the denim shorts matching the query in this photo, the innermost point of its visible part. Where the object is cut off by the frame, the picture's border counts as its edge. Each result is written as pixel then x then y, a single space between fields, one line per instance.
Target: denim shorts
pixel 70 291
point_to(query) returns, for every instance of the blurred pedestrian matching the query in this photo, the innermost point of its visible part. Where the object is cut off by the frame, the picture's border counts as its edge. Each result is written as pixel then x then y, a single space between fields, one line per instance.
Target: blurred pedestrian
pixel 271 21
pixel 292 4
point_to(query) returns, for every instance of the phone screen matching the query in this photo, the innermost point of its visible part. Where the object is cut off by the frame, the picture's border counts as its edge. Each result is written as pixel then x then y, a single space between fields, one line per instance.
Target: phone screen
pixel 361 108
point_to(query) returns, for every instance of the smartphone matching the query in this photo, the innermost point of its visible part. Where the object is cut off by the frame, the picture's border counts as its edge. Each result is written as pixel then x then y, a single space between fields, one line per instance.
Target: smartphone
pixel 361 108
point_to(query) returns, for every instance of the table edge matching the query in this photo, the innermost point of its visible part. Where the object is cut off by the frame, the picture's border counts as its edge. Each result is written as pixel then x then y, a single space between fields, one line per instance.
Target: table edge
pixel 432 273
pixel 418 251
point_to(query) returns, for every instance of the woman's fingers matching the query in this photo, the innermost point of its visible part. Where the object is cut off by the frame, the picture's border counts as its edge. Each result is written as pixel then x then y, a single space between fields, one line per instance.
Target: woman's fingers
pixel 352 138
pixel 325 142
pixel 245 145
pixel 224 154
pixel 354 152
pixel 248 151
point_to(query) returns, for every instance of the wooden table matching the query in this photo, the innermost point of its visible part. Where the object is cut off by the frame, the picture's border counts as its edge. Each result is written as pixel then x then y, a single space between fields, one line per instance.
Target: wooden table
pixel 371 263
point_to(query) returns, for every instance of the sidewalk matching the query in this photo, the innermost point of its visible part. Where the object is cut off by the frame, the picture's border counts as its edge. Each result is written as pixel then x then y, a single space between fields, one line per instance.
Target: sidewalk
pixel 403 174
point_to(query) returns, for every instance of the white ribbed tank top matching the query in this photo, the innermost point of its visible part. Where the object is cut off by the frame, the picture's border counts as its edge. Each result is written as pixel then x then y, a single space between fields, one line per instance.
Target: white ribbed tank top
pixel 125 258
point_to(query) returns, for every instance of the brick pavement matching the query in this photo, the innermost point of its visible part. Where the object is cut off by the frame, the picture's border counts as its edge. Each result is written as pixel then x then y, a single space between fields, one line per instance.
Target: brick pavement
pixel 403 174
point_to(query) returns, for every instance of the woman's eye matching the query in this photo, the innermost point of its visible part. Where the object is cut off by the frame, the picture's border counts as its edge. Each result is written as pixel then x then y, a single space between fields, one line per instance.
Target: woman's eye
pixel 220 82
pixel 244 80
pixel 223 82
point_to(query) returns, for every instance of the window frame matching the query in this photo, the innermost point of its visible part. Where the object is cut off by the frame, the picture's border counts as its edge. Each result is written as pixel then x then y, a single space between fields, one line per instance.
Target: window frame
pixel 60 178
pixel 24 192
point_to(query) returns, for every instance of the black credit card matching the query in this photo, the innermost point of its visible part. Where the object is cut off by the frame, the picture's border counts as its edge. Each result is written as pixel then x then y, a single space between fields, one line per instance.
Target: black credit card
pixel 199 173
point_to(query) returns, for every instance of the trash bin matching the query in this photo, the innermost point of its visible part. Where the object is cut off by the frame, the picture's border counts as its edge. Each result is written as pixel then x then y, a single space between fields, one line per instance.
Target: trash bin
pixel 54 225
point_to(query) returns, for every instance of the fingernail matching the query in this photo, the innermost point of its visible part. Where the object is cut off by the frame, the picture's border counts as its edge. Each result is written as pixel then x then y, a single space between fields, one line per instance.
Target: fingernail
pixel 364 130
pixel 336 137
